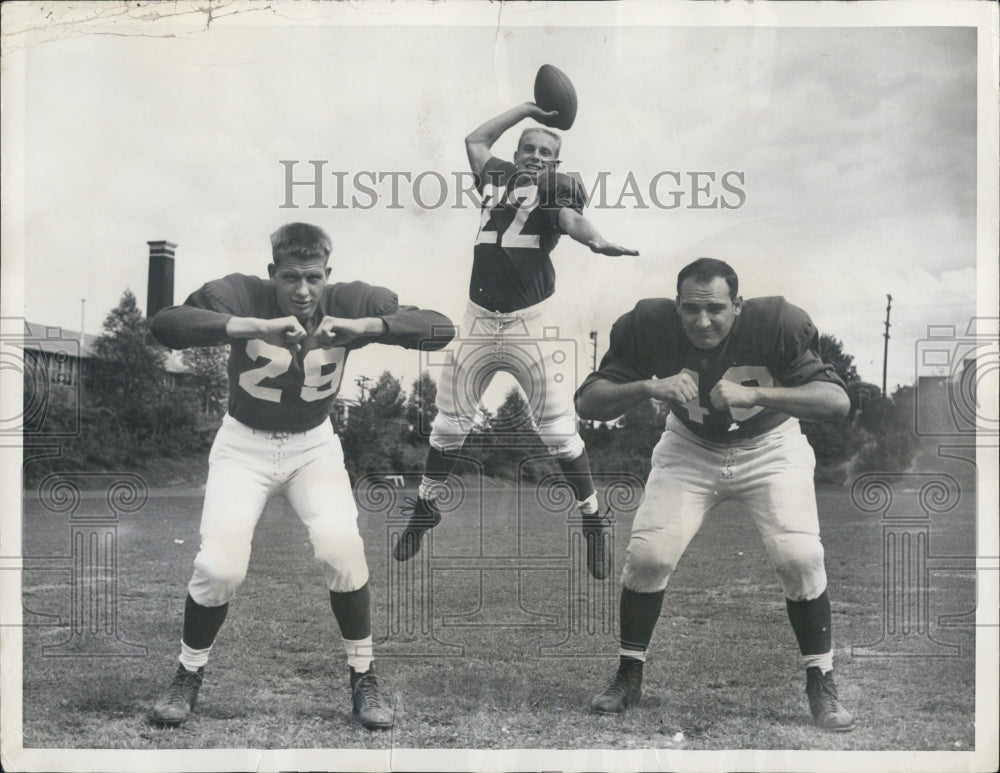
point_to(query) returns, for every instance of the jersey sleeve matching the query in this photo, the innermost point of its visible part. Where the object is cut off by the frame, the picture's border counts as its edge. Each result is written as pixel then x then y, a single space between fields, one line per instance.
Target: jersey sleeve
pixel 406 326
pixel 495 171
pixel 201 320
pixel 797 350
pixel 622 363
pixel 560 191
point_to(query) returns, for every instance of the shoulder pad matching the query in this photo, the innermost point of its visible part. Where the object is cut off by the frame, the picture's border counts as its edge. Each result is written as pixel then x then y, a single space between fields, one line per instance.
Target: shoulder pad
pixel 359 299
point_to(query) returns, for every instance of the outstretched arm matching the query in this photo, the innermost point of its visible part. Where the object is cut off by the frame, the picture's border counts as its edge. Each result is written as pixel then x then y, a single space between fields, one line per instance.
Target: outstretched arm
pixel 478 144
pixel 577 227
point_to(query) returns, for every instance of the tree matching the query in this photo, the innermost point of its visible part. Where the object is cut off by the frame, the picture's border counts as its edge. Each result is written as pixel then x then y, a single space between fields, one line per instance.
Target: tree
pixel 511 440
pixel 421 408
pixel 387 398
pixel 831 351
pixel 376 428
pixel 836 442
pixel 130 362
pixel 892 442
pixel 133 418
pixel 207 370
pixel 513 415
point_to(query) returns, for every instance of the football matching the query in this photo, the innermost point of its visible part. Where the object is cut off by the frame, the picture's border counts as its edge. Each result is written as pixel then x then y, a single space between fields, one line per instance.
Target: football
pixel 554 91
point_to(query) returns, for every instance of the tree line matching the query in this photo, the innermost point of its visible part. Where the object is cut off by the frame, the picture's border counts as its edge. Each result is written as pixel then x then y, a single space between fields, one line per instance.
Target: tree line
pixel 137 417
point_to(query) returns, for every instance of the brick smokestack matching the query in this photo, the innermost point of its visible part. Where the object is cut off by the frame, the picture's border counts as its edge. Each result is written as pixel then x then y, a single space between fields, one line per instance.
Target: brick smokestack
pixel 160 291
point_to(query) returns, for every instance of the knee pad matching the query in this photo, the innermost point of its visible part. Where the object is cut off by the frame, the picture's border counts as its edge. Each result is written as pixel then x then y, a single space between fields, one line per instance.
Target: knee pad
pixel 448 432
pixel 343 559
pixel 646 571
pixel 214 582
pixel 798 561
pixel 563 446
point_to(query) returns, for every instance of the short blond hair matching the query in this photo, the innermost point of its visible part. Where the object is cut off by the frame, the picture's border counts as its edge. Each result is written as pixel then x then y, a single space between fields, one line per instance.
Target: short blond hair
pixel 541 130
pixel 300 240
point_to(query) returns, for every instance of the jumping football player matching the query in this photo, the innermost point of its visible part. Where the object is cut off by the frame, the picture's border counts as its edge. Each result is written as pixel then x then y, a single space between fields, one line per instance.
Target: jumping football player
pixel 737 377
pixel 289 338
pixel 526 206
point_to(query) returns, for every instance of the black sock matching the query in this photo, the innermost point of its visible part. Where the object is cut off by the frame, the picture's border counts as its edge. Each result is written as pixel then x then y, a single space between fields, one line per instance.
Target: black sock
pixel 638 613
pixel 577 474
pixel 201 624
pixel 811 621
pixel 353 612
pixel 438 466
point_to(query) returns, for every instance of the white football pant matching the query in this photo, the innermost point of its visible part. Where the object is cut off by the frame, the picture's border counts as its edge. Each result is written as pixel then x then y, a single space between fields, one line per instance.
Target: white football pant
pixel 525 344
pixel 771 474
pixel 246 468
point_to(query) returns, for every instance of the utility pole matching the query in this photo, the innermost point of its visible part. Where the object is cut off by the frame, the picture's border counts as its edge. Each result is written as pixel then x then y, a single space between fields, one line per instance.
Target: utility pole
pixel 83 357
pixel 593 366
pixel 885 356
pixel 362 382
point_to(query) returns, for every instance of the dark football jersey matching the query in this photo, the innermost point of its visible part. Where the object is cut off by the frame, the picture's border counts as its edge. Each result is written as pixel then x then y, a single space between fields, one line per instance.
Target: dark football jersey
pixel 771 343
pixel 271 387
pixel 519 227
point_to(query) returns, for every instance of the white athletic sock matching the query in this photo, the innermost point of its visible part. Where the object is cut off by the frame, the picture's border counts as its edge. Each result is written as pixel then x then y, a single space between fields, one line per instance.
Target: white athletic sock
pixel 193 659
pixel 824 661
pixel 635 654
pixel 430 489
pixel 359 654
pixel 589 505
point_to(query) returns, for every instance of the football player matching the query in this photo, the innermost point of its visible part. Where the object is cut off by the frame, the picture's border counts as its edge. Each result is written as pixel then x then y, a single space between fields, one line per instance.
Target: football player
pixel 289 339
pixel 737 376
pixel 527 205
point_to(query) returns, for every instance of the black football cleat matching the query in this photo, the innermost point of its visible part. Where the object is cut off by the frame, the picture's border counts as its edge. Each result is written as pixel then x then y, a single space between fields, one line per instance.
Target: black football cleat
pixel 372 709
pixel 624 691
pixel 178 702
pixel 424 515
pixel 827 710
pixel 597 535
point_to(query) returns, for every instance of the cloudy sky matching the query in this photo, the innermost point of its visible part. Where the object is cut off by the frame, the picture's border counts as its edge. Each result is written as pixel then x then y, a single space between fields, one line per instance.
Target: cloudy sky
pixel 853 150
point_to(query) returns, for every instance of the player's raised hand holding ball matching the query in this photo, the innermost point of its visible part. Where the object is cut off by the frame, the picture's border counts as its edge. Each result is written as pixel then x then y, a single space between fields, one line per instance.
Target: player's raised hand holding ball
pixel 555 105
pixel 555 97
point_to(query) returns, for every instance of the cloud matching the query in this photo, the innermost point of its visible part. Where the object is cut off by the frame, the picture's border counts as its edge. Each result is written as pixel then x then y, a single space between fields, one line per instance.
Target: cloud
pixel 857 146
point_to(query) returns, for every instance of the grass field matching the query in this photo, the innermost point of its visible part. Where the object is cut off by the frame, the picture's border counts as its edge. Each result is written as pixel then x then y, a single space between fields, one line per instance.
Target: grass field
pixel 510 644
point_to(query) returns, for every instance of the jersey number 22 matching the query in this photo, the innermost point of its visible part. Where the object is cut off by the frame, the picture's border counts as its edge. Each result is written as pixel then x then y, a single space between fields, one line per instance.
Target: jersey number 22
pixel 525 199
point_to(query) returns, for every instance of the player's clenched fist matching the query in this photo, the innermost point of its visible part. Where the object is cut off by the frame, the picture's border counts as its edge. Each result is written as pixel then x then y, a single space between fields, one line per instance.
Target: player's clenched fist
pixel 728 394
pixel 282 331
pixel 340 331
pixel 676 389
